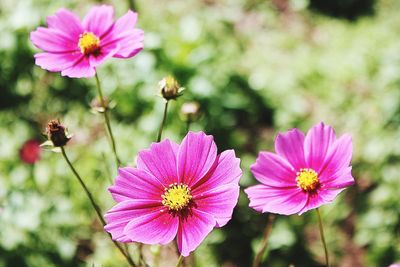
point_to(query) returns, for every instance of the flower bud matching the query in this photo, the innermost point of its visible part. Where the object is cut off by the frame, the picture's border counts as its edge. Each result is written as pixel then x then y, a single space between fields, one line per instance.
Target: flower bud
pixel 190 111
pixel 57 133
pixel 170 88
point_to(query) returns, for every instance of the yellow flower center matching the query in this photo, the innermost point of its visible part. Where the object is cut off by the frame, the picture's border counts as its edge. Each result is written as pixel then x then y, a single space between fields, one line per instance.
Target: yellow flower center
pixel 307 179
pixel 89 43
pixel 176 197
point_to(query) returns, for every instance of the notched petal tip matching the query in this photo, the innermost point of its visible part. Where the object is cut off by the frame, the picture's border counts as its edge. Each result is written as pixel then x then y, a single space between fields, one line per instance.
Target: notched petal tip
pixel 132 16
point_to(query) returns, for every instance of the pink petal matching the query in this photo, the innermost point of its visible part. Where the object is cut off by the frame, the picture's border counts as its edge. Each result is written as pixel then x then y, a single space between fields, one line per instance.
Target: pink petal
pixel 196 156
pixel 192 231
pixel 124 33
pixel 56 61
pixel 340 179
pixel 160 161
pixel 121 214
pixel 339 156
pixel 322 197
pixel 329 195
pixel 99 20
pixel 314 201
pixel 66 23
pixel 317 143
pixel 218 202
pixel 226 170
pixel 105 53
pixel 290 145
pixel 157 227
pixel 134 183
pixel 130 45
pixel 273 170
pixel 50 40
pixel 80 69
pixel 276 200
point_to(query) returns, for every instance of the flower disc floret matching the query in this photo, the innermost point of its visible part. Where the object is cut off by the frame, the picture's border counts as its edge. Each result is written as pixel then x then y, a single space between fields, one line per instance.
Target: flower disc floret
pixel 176 197
pixel 89 43
pixel 307 179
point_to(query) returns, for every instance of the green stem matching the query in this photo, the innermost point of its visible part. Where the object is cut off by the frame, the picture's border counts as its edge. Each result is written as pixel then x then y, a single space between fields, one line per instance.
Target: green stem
pixel 95 206
pixel 32 176
pixel 188 123
pixel 163 121
pixel 180 260
pixel 141 257
pixel 132 5
pixel 107 121
pixel 264 243
pixel 321 231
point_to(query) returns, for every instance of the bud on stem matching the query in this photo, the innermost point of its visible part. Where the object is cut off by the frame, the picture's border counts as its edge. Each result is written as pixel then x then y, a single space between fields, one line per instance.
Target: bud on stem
pixel 57 133
pixel 170 89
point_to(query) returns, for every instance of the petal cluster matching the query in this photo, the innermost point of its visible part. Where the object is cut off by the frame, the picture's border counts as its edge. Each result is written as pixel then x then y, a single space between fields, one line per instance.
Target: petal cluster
pixel 181 191
pixel 76 48
pixel 304 173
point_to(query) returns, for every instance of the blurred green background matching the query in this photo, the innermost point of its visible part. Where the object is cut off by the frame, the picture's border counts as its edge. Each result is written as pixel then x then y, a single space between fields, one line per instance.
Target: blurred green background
pixel 256 67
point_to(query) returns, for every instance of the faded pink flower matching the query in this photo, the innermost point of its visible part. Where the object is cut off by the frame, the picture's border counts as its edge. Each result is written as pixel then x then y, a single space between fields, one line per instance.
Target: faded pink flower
pixel 394 265
pixel 76 48
pixel 30 151
pixel 304 173
pixel 181 191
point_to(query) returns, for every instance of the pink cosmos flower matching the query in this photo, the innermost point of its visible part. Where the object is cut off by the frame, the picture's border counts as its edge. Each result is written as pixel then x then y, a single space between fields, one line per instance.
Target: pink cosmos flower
pixel 394 265
pixel 304 173
pixel 76 48
pixel 181 191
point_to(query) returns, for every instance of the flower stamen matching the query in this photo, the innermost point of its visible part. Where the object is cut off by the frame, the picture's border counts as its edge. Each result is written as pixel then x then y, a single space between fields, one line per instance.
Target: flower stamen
pixel 176 197
pixel 307 180
pixel 89 43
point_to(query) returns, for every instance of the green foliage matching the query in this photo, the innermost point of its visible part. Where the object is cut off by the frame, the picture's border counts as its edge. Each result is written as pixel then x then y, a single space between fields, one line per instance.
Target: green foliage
pixel 256 69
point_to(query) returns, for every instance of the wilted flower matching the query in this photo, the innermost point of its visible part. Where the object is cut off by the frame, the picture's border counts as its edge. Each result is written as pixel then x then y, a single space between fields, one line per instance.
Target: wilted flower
pixel 57 133
pixel 305 173
pixel 176 190
pixel 30 151
pixel 76 48
pixel 170 88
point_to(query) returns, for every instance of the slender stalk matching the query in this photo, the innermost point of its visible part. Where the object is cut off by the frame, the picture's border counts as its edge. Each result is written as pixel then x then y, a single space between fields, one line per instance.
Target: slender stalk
pixel 95 206
pixel 180 260
pixel 188 123
pixel 163 121
pixel 132 5
pixel 32 176
pixel 321 231
pixel 141 257
pixel 264 243
pixel 106 169
pixel 107 121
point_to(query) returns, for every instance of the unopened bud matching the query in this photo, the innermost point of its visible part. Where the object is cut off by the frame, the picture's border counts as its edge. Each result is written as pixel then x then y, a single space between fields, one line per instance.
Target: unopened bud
pixel 190 111
pixel 57 133
pixel 170 88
